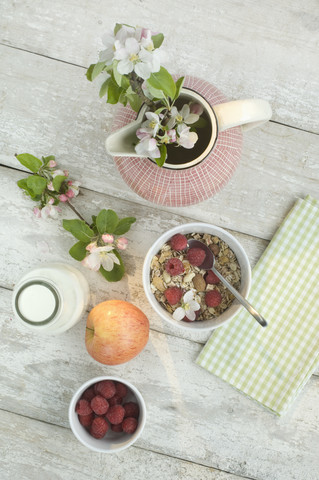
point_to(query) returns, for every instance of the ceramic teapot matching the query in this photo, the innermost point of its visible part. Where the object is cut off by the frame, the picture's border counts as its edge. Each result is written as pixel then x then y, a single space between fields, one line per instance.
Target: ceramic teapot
pixel 212 162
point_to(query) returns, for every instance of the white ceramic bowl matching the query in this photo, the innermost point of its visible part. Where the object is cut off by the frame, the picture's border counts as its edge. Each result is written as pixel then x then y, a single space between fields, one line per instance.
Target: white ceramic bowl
pixel 112 442
pixel 241 257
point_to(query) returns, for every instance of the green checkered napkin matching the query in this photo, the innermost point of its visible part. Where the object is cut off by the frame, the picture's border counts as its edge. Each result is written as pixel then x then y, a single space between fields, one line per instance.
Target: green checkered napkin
pixel 273 364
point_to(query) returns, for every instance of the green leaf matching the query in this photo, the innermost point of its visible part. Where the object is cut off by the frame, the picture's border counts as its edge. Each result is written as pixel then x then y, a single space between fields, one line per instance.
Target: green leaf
pixel 78 251
pixel 29 161
pixel 104 87
pixel 155 92
pixel 94 219
pixel 179 85
pixel 124 225
pixel 116 75
pixel 89 72
pixel 157 40
pixel 36 184
pixel 107 221
pixel 57 182
pixel 23 185
pixel 79 230
pixel 134 101
pixel 118 270
pixel 117 27
pixel 114 92
pixel 161 160
pixel 123 98
pixel 97 69
pixel 163 80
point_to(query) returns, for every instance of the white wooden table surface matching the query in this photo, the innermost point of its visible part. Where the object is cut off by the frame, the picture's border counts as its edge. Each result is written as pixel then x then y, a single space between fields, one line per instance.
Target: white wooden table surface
pixel 198 427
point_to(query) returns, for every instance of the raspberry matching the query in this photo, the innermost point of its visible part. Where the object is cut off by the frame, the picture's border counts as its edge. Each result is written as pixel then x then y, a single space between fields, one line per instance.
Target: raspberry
pixel 115 400
pixel 88 394
pixel 196 256
pixel 213 298
pixel 99 405
pixel 173 295
pixel 86 420
pixel 115 414
pixel 131 409
pixel 99 427
pixel 174 266
pixel 83 407
pixel 121 389
pixel 117 428
pixel 178 242
pixel 129 425
pixel 211 278
pixel 106 388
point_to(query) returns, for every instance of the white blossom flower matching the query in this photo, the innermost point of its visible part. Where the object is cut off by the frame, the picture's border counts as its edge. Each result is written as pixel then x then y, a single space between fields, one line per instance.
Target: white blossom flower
pixel 186 138
pixel 112 42
pixel 188 308
pixel 168 137
pixel 127 55
pixel 182 116
pixel 101 256
pixel 148 148
pixel 152 124
pixel 57 172
pixel 50 210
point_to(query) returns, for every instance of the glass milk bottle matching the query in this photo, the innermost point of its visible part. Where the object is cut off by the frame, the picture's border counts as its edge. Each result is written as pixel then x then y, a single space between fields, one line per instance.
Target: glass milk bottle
pixel 51 298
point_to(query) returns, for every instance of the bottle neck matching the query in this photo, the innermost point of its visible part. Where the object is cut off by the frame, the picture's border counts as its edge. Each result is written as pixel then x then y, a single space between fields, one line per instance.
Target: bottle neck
pixel 37 302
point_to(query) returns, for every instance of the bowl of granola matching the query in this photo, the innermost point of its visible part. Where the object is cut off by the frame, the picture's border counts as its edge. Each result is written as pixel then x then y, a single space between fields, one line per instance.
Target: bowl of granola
pixel 184 294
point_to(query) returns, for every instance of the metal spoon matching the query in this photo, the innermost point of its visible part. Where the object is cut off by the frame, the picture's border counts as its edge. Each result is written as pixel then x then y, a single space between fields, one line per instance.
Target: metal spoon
pixel 208 264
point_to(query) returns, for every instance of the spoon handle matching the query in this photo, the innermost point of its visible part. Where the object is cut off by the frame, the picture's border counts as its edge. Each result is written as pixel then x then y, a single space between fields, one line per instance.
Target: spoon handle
pixel 241 299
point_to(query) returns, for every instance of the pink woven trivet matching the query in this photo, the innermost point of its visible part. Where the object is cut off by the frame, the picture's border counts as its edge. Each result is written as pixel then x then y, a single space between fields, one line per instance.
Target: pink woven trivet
pixel 176 188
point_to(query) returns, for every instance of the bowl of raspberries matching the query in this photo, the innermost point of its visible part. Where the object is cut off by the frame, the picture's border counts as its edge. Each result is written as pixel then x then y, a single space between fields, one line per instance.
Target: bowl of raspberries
pixel 181 291
pixel 107 414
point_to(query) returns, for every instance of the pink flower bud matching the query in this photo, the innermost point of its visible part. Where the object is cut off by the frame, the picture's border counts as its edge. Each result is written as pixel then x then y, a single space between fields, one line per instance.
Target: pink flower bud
pixel 51 201
pixel 52 163
pixel 63 198
pixel 107 238
pixel 196 108
pixel 50 186
pixel 66 173
pixel 122 243
pixel 70 193
pixel 70 182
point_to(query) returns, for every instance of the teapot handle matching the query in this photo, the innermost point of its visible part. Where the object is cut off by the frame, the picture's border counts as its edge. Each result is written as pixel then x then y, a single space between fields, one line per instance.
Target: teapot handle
pixel 248 113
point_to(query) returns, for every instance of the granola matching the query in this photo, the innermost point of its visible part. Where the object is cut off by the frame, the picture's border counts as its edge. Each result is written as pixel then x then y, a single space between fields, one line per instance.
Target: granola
pixel 194 277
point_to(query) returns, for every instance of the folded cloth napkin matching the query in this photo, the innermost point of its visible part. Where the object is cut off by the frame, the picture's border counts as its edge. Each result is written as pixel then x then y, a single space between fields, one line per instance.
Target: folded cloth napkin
pixel 273 364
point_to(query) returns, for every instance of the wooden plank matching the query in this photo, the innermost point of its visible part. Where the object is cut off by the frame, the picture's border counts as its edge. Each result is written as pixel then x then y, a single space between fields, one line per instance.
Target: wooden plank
pixel 40 450
pixel 201 419
pixel 275 58
pixel 38 241
pixel 66 118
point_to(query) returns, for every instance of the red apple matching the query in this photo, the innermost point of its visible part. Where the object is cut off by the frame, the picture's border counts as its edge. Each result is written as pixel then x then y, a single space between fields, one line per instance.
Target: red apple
pixel 116 331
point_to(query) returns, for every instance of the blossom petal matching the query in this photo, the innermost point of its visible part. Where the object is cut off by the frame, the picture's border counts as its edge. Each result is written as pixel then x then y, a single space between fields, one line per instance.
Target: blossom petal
pixel 179 314
pixel 107 262
pixel 125 66
pixel 191 118
pixel 193 305
pixel 190 314
pixel 189 296
pixel 132 46
pixel 143 70
pixel 93 261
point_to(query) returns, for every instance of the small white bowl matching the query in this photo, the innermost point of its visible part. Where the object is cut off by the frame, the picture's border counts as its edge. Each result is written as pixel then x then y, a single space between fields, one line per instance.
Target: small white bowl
pixel 235 246
pixel 112 442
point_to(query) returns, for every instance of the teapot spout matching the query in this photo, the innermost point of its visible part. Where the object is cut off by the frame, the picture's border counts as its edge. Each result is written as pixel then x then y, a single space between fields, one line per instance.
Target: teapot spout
pixel 121 143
